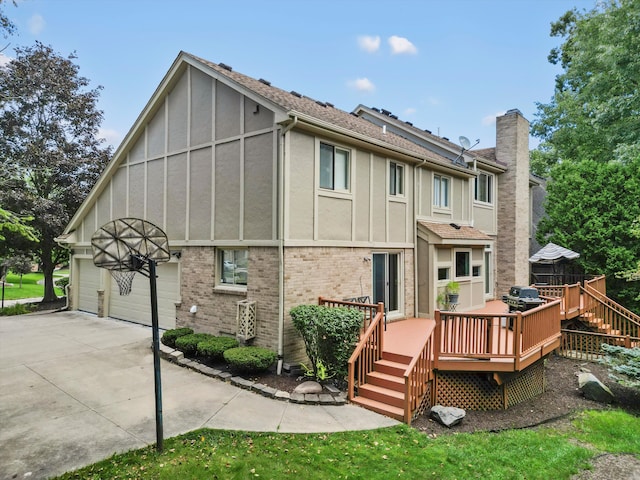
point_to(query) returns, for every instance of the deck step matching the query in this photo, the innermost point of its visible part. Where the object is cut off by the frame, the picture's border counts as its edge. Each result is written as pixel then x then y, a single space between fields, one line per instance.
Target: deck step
pixel 381 379
pixel 390 367
pixel 397 357
pixel 381 408
pixel 382 395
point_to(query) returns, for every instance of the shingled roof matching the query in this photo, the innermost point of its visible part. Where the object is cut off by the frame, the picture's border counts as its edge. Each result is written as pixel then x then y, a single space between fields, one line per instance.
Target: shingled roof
pixel 451 231
pixel 325 112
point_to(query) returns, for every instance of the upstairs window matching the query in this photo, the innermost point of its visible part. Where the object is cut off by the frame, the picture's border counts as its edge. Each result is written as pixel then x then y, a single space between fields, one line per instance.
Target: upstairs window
pixel 396 179
pixel 441 191
pixel 334 168
pixel 484 188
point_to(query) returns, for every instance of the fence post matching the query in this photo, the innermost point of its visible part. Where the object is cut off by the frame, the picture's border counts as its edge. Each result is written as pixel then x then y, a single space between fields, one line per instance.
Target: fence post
pixel 437 340
pixel 627 342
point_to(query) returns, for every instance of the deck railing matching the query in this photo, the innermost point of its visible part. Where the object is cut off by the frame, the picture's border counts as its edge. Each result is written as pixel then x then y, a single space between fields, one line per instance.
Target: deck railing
pixel 612 316
pixel 506 336
pixel 417 378
pixel 569 296
pixel 583 345
pixel 369 310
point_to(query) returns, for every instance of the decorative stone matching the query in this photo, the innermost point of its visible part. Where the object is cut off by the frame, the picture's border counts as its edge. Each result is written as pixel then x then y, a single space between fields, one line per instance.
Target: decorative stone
pixel 332 389
pixel 447 416
pixel 308 387
pixel 241 382
pixel 224 375
pixel 594 389
pixel 297 397
pixel 282 395
pixel 326 399
pixel 311 398
pixel 176 355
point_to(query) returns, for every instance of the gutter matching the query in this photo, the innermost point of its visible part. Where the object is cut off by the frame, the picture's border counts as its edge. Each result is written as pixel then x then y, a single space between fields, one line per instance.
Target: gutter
pixel 281 204
pixel 415 238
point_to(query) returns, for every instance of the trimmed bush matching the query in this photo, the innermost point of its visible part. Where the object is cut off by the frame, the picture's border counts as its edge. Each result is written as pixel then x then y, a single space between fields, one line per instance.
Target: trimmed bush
pixel 170 336
pixel 213 348
pixel 249 359
pixel 17 309
pixel 188 344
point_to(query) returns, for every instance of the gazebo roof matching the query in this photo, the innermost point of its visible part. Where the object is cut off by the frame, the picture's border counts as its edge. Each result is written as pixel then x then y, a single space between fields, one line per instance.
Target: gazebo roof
pixel 551 253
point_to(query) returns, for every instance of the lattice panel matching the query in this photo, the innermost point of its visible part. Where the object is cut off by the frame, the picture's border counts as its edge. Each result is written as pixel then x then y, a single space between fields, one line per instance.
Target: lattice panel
pixel 425 404
pixel 468 390
pixel 246 320
pixel 527 385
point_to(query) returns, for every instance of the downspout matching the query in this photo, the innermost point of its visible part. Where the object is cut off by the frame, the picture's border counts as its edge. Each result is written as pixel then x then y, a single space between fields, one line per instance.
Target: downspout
pixel 281 204
pixel 415 239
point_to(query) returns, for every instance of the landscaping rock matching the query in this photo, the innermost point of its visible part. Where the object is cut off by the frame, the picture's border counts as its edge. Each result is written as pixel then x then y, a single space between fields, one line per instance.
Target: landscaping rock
pixel 308 387
pixel 594 389
pixel 447 416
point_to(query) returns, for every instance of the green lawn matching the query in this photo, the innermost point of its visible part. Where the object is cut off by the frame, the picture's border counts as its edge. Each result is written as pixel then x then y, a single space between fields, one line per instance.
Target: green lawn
pixel 396 452
pixel 30 287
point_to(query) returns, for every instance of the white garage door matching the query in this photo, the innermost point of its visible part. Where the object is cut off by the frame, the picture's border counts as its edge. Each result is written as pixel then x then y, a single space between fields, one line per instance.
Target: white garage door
pixel 136 307
pixel 88 277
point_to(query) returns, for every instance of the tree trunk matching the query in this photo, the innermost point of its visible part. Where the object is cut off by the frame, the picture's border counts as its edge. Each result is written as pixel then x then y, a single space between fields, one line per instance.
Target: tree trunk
pixel 47 269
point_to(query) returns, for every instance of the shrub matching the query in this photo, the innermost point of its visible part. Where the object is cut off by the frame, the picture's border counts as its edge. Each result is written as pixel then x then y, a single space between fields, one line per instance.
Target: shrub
pixel 213 348
pixel 17 309
pixel 189 343
pixel 170 336
pixel 62 283
pixel 249 359
pixel 330 335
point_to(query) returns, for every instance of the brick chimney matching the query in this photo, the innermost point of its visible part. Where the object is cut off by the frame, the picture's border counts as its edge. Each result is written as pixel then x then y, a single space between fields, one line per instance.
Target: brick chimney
pixel 512 245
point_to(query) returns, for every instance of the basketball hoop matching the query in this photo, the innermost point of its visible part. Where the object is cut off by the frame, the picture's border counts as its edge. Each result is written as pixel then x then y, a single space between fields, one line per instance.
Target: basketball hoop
pixel 124 279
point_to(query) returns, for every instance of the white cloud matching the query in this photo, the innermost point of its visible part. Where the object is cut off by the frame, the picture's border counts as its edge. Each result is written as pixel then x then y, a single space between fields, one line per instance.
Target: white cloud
pixel 362 84
pixel 400 45
pixel 4 59
pixel 368 43
pixel 491 119
pixel 410 111
pixel 36 24
pixel 112 137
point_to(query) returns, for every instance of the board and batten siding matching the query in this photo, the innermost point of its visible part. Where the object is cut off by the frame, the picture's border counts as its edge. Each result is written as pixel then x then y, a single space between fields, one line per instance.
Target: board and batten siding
pixel 203 168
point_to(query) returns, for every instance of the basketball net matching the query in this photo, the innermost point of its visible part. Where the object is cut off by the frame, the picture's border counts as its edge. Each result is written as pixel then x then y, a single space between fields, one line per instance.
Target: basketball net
pixel 124 279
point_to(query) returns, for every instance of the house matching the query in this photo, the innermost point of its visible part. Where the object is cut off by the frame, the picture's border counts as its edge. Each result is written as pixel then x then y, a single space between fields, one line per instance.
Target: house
pixel 272 197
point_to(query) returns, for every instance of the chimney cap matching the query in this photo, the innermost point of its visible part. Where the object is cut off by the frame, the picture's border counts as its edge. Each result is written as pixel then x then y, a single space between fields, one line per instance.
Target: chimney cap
pixel 513 111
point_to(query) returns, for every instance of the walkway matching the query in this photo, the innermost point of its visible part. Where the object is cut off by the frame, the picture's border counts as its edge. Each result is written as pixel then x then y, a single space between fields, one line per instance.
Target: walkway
pixel 75 388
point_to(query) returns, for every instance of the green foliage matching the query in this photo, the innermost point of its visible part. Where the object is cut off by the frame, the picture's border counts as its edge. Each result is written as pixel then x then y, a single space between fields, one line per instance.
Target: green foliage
pixel 250 359
pixel 320 372
pixel 50 155
pixel 624 361
pixel 330 335
pixel 169 337
pixel 213 348
pixel 62 283
pixel 188 344
pixel 17 309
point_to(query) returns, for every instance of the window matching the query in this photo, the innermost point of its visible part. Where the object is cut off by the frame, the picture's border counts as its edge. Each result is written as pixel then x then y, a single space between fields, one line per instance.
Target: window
pixel 334 167
pixel 233 267
pixel 443 273
pixel 484 188
pixel 440 191
pixel 396 179
pixel 463 263
pixel 477 270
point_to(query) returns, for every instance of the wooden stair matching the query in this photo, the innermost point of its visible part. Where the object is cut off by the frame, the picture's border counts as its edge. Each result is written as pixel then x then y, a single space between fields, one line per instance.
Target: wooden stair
pixel 384 389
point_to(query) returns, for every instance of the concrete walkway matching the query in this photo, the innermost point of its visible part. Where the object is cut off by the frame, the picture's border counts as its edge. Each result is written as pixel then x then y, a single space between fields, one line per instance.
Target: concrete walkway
pixel 75 389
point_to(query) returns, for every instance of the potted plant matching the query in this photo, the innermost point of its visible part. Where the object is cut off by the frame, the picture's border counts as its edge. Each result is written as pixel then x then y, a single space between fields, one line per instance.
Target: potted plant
pixel 453 292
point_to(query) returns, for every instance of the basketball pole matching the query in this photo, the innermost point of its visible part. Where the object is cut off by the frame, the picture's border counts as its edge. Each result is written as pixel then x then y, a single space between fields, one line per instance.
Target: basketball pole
pixel 156 353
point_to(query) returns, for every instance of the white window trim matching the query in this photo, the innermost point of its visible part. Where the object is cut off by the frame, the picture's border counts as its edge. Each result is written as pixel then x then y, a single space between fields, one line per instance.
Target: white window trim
pixel 438 205
pixel 475 190
pixel 333 191
pixel 219 262
pixel 401 167
pixel 455 258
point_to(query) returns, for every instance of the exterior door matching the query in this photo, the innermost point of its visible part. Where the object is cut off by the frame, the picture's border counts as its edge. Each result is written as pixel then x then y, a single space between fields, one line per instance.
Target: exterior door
pixel 386 280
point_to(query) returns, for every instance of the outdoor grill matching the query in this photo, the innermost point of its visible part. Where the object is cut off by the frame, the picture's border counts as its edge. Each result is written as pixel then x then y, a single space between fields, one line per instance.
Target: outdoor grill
pixel 522 298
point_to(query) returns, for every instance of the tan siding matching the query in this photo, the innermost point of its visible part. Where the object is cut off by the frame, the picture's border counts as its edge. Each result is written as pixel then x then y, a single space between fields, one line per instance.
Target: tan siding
pixel 89 225
pixel 155 135
pixel 137 150
pixel 201 108
pixel 256 118
pixel 227 191
pixel 426 192
pixel 334 218
pixel 155 192
pixel 398 222
pixel 379 200
pixel 136 190
pixel 104 207
pixel 176 196
pixel 484 218
pixel 177 115
pixel 227 112
pixel 119 198
pixel 301 186
pixel 258 187
pixel 200 208
pixel 362 196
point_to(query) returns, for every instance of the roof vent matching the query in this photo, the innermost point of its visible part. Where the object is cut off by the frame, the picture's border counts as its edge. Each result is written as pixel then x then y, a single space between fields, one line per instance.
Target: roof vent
pixel 445 138
pixel 375 109
pixel 225 66
pixel 385 112
pixel 329 104
pixel 428 131
pixel 409 123
pixel 455 225
pixel 266 82
pixel 395 117
pixel 322 104
pixel 384 129
pixel 296 94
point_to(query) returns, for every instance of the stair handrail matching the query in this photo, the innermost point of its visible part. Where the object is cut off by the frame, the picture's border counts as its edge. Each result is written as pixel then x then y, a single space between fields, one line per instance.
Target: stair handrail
pixel 416 377
pixel 613 305
pixel 374 338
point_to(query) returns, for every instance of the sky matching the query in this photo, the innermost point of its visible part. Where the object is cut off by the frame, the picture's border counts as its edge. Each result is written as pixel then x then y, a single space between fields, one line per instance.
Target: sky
pixel 449 66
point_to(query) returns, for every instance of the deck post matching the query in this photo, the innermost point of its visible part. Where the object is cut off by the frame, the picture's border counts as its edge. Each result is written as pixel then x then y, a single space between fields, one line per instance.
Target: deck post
pixel 437 339
pixel 517 340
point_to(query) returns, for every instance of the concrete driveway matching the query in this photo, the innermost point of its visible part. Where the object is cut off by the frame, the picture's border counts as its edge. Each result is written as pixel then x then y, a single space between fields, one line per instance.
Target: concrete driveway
pixel 74 389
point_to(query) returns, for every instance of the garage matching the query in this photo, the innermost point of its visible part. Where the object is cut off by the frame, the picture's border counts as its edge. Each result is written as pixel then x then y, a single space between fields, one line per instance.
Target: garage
pixel 136 307
pixel 88 276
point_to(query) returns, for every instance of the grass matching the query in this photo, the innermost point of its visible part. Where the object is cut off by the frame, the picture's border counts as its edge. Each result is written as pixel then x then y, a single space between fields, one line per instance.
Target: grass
pixel 396 452
pixel 30 287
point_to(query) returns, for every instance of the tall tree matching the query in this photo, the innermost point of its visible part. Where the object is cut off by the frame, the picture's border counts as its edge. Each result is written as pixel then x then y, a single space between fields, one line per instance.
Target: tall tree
pixel 7 27
pixel 590 147
pixel 49 150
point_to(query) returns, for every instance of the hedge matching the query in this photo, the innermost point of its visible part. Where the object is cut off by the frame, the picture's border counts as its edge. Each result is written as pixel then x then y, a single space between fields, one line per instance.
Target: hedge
pixel 249 359
pixel 213 348
pixel 189 343
pixel 170 336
